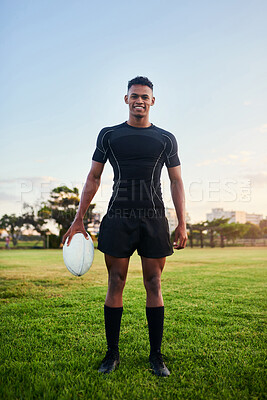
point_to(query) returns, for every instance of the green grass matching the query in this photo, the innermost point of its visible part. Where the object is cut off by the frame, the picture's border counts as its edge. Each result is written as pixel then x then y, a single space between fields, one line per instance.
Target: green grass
pixel 22 244
pixel 53 340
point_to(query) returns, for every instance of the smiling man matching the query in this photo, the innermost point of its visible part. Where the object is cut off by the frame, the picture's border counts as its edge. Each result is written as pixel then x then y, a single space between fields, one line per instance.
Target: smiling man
pixel 135 219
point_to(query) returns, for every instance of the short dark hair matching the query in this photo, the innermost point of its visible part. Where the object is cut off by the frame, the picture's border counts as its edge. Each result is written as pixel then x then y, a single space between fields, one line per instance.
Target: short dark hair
pixel 140 80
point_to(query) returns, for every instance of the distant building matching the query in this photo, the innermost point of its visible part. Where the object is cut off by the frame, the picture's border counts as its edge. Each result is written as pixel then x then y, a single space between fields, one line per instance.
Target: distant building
pixel 172 218
pixel 234 216
pixel 254 218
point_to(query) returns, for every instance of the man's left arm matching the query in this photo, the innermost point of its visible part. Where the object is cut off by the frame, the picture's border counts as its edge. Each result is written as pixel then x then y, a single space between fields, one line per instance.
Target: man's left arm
pixel 178 198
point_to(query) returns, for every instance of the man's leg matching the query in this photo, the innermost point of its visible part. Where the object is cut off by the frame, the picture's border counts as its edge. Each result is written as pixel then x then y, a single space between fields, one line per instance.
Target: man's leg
pixel 117 273
pixel 152 269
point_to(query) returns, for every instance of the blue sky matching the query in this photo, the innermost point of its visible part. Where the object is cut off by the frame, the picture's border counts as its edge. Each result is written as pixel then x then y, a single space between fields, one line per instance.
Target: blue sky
pixel 64 71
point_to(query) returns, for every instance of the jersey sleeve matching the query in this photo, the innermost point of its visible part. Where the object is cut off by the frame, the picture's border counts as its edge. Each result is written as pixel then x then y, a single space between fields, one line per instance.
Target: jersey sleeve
pixel 171 151
pixel 101 151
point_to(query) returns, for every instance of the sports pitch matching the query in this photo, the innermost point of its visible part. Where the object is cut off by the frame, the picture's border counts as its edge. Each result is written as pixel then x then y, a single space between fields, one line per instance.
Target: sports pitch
pixel 53 339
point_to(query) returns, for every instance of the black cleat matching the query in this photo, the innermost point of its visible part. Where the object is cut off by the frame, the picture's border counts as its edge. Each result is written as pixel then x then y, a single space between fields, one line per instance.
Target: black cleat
pixel 110 362
pixel 157 364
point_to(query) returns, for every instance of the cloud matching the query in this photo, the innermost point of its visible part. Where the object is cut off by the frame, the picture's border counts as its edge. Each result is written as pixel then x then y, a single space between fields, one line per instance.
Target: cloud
pixel 242 157
pixel 33 179
pixel 247 103
pixel 258 179
pixel 233 156
pixel 35 184
pixel 8 197
pixel 263 128
pixel 28 189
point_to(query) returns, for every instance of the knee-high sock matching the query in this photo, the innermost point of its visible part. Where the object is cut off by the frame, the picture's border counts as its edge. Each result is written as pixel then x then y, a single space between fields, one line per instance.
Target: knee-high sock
pixel 112 326
pixel 155 319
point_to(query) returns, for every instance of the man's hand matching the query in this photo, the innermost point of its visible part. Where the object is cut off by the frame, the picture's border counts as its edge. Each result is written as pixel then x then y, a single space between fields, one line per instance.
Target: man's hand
pixel 180 237
pixel 76 226
pixel 89 190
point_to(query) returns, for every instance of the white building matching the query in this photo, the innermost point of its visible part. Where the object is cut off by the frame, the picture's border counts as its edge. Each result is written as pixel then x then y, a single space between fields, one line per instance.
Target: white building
pixel 234 216
pixel 254 218
pixel 172 218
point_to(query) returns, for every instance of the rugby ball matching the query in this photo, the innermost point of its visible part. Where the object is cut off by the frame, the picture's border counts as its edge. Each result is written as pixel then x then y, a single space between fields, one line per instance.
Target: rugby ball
pixel 78 256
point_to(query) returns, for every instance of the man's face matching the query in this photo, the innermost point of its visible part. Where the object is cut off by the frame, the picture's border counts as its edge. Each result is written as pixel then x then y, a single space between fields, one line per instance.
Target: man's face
pixel 140 99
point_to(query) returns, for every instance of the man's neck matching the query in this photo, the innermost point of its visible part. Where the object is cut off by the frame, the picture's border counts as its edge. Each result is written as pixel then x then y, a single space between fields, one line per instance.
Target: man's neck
pixel 139 122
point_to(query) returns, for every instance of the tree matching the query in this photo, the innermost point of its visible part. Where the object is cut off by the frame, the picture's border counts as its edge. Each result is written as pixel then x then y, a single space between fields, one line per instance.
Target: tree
pixel 190 236
pixel 36 220
pixel 263 226
pixel 234 230
pixel 62 206
pixel 215 226
pixel 200 227
pixel 253 231
pixel 12 224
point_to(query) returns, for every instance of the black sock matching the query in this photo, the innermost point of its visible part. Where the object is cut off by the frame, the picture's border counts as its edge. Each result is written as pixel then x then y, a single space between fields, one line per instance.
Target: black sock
pixel 155 319
pixel 112 326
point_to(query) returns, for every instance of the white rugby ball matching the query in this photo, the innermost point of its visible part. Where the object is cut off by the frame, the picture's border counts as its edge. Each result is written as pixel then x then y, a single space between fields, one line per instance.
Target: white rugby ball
pixel 78 256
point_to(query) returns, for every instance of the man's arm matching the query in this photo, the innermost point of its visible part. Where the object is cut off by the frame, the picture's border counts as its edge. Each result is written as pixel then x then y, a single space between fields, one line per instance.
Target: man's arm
pixel 89 190
pixel 178 197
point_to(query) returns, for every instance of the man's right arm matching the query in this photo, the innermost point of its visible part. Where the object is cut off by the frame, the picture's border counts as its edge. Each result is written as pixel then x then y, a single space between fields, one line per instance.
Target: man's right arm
pixel 89 190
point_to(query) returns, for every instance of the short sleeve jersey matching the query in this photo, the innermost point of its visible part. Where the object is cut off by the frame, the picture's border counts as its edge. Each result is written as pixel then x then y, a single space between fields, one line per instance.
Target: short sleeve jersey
pixel 137 156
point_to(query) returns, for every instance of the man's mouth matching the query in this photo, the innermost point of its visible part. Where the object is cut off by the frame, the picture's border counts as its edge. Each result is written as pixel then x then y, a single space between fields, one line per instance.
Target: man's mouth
pixel 139 108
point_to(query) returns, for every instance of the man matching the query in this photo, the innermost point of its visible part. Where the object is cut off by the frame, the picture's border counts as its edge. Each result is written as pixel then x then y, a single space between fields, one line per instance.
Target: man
pixel 135 219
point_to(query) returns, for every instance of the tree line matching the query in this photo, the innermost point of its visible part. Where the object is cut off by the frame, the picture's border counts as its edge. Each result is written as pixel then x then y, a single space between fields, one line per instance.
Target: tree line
pixel 220 230
pixel 62 205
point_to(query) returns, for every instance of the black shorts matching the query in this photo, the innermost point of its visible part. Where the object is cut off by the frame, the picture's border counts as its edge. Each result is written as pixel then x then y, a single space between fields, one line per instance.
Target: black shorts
pixel 124 231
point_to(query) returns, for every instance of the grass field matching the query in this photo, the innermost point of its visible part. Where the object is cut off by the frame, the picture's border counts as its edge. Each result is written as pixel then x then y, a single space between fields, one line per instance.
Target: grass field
pixel 22 244
pixel 52 328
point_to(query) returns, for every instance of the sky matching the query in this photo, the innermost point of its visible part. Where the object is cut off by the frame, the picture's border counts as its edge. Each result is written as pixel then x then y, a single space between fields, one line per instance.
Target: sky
pixel 63 76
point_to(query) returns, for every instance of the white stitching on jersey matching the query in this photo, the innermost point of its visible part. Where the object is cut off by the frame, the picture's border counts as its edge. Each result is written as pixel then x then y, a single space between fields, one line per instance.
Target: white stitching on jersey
pixel 152 177
pixel 152 182
pixel 102 142
pixel 157 194
pixel 118 182
pixel 171 144
pixel 100 149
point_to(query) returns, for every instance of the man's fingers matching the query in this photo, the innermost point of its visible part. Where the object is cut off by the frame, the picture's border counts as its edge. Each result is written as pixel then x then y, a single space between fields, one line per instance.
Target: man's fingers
pixel 73 233
pixel 69 239
pixel 85 234
pixel 180 244
pixel 75 228
pixel 64 238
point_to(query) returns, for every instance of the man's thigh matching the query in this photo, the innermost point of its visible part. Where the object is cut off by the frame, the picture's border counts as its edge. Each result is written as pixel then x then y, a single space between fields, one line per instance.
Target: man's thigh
pixel 152 267
pixel 117 266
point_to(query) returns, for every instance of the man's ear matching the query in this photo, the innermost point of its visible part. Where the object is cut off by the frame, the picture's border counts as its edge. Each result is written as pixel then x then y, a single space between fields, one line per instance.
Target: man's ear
pixel 153 101
pixel 126 99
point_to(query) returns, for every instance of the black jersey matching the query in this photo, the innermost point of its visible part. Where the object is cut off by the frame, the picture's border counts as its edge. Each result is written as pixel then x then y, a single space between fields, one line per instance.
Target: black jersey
pixel 137 156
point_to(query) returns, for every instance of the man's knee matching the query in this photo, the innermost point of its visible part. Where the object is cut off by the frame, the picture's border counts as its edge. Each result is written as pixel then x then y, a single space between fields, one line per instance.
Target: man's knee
pixel 116 282
pixel 153 284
